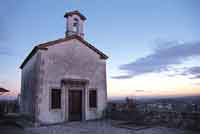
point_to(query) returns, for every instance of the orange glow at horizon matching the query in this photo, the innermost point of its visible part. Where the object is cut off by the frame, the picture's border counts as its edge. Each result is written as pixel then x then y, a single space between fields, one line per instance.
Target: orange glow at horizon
pixel 153 85
pixel 150 85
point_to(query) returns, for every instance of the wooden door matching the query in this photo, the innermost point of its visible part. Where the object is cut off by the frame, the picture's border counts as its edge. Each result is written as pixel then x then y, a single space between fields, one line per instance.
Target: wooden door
pixel 75 105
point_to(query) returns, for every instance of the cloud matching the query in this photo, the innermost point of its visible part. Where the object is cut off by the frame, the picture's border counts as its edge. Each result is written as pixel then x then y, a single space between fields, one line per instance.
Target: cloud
pixel 122 77
pixel 164 56
pixel 193 72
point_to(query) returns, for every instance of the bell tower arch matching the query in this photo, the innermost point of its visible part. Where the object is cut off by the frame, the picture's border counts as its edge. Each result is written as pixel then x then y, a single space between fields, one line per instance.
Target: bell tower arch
pixel 74 23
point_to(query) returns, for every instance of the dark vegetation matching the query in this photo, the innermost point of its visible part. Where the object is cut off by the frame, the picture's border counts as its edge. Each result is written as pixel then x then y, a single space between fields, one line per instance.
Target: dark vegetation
pixel 181 112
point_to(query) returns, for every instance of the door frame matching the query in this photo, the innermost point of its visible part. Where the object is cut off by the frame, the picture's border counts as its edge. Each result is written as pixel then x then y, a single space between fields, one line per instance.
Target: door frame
pixel 75 84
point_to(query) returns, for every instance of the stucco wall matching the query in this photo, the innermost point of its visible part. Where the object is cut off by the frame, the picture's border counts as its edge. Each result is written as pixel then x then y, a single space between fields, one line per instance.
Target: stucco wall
pixel 70 59
pixel 29 85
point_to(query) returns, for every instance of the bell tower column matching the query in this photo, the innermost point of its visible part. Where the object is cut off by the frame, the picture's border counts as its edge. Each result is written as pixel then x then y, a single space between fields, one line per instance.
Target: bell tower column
pixel 74 23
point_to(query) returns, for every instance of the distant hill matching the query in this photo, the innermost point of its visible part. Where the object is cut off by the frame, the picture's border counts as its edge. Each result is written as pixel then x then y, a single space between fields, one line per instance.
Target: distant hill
pixel 168 99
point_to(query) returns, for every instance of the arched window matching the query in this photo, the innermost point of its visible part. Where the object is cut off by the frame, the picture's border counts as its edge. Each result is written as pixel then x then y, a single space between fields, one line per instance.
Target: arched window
pixel 75 25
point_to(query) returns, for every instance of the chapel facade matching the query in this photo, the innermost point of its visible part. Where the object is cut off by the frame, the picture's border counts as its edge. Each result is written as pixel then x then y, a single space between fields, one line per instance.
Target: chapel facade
pixel 65 79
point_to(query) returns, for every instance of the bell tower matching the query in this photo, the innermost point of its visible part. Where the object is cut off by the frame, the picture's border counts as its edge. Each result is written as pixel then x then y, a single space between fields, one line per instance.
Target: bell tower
pixel 74 23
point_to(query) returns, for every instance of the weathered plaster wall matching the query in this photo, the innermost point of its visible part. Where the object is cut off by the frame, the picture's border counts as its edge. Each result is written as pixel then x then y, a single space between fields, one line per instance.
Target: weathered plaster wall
pixel 70 59
pixel 29 85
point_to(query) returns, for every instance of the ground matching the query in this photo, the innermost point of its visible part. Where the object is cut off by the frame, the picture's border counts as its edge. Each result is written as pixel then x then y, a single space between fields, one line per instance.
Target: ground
pixel 92 127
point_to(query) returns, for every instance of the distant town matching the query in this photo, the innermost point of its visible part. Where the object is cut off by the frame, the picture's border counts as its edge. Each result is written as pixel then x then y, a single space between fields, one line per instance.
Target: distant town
pixel 170 104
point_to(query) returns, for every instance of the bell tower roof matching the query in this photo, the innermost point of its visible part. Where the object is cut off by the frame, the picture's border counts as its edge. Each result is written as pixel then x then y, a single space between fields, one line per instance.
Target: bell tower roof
pixel 67 14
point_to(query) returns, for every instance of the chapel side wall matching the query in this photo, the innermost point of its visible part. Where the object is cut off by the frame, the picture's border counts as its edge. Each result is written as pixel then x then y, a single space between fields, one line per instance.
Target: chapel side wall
pixel 71 59
pixel 29 86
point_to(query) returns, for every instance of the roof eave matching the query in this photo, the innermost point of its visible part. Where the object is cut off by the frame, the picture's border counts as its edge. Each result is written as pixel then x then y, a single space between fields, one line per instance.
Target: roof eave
pixel 34 50
pixel 44 46
pixel 75 12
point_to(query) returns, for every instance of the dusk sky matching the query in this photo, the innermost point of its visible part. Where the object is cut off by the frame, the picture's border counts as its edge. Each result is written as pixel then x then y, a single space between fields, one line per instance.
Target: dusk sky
pixel 153 45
